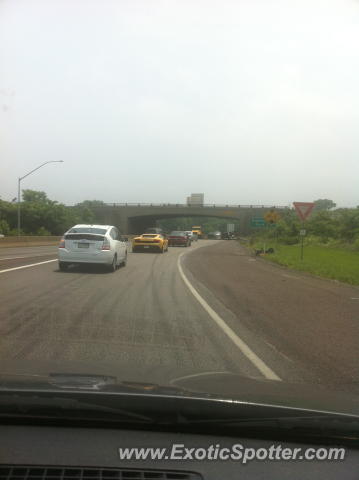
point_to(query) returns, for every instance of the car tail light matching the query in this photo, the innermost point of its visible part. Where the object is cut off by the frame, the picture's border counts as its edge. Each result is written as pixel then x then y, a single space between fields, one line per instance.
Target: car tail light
pixel 106 245
pixel 62 243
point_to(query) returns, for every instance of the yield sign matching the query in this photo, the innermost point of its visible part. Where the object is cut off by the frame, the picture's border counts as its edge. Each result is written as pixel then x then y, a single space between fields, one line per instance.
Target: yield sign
pixel 303 209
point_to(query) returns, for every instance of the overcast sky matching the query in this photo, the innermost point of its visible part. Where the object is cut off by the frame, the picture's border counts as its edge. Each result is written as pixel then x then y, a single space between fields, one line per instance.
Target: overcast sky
pixel 248 101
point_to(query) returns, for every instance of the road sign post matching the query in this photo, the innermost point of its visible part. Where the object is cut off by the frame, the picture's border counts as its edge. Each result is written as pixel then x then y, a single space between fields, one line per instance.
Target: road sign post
pixel 302 235
pixel 303 210
pixel 272 218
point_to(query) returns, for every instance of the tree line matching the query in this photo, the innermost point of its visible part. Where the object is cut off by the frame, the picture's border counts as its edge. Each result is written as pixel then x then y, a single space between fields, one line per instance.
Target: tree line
pixel 326 225
pixel 42 216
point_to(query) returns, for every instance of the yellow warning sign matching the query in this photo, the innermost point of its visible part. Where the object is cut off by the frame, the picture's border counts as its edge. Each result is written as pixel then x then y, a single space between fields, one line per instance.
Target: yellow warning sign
pixel 272 217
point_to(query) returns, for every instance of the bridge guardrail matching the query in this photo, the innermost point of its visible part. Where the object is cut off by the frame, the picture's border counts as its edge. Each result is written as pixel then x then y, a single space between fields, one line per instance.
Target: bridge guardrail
pixel 184 205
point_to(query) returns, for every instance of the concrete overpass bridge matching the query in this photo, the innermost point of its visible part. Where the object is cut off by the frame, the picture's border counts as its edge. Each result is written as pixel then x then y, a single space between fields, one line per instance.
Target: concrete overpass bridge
pixel 134 218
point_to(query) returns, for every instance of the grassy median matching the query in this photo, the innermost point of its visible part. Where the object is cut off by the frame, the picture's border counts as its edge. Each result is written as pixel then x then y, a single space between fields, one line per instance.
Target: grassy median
pixel 335 263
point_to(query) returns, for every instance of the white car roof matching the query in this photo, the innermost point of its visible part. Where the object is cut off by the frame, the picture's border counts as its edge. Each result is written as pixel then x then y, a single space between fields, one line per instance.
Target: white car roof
pixel 84 225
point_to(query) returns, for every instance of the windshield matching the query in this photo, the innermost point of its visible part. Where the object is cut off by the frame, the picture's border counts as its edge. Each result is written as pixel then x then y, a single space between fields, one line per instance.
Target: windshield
pixel 236 120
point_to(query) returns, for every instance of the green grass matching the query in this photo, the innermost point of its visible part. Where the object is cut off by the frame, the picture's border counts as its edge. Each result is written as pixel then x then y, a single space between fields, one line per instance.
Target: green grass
pixel 335 263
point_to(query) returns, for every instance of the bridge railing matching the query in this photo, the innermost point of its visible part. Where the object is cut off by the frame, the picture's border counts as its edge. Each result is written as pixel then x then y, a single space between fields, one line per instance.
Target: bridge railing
pixel 184 205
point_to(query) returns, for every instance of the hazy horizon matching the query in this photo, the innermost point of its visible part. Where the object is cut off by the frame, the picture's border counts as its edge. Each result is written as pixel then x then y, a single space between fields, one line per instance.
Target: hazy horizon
pixel 250 102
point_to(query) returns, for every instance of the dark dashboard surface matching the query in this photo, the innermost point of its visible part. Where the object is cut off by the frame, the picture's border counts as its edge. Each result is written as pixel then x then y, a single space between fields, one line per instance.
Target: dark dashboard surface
pixel 96 447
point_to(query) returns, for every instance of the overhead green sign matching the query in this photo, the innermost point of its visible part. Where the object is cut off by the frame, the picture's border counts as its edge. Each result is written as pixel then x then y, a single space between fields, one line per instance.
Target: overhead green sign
pixel 258 222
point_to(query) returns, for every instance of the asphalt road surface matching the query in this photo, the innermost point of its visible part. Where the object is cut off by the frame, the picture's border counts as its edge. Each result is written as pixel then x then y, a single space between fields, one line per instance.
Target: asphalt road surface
pixel 146 321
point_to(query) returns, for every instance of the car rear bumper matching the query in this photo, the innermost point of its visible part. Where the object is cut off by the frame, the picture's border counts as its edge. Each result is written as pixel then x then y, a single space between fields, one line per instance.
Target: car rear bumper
pixel 147 247
pixel 104 257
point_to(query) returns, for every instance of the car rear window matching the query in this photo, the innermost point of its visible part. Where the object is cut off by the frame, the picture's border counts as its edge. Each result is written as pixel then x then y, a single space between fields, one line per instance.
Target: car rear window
pixel 149 236
pixel 84 236
pixel 100 231
pixel 178 234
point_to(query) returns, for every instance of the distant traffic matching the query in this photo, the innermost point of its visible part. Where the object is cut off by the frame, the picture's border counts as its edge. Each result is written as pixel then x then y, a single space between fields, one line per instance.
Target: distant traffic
pixel 104 244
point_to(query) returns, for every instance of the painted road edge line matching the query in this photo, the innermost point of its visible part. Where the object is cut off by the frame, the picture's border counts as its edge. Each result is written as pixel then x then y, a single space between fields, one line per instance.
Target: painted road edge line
pixel 266 371
pixel 26 256
pixel 28 266
pixel 13 258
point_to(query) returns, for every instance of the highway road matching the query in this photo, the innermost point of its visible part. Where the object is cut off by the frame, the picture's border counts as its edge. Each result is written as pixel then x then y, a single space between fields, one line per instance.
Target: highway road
pixel 164 316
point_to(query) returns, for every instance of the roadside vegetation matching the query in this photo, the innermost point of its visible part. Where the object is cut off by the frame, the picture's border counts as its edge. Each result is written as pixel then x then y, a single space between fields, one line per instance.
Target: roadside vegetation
pixel 331 243
pixel 42 216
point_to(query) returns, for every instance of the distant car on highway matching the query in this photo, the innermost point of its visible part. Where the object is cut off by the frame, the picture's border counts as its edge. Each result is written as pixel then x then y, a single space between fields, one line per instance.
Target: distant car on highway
pixel 93 244
pixel 192 235
pixel 179 238
pixel 228 236
pixel 197 230
pixel 150 241
pixel 215 235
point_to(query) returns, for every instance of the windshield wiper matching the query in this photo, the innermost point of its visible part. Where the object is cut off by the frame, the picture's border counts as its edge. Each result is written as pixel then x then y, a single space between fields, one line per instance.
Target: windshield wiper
pixel 324 426
pixel 12 404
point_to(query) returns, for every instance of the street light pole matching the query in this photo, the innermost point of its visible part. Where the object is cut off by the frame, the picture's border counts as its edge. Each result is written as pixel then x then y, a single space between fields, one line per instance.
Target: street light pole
pixel 19 192
pixel 18 206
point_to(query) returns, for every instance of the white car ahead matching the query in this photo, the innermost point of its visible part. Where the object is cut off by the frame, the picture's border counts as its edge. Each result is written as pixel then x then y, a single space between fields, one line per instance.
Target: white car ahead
pixel 93 244
pixel 192 235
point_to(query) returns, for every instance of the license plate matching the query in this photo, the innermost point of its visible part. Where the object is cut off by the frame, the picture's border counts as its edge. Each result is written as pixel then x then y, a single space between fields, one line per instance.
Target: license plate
pixel 83 245
pixel 146 246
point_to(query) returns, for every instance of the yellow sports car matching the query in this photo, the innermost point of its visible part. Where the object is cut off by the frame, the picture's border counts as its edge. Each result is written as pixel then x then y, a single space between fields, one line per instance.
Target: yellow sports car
pixel 150 241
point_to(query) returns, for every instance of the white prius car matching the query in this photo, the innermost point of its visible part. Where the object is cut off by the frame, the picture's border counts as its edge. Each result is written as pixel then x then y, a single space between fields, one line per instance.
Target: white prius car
pixel 93 244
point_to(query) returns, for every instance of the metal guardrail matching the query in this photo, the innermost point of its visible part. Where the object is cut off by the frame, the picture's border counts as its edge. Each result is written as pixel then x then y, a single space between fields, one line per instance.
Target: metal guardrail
pixel 28 240
pixel 184 205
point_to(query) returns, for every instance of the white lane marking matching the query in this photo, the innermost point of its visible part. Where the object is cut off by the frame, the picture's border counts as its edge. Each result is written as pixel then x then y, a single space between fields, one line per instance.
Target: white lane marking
pixel 195 375
pixel 27 266
pixel 354 298
pixel 13 258
pixel 259 364
pixel 278 351
pixel 27 256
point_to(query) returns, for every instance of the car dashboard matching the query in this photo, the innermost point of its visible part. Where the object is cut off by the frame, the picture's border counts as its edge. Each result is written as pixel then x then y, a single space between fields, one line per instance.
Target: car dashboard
pixel 30 452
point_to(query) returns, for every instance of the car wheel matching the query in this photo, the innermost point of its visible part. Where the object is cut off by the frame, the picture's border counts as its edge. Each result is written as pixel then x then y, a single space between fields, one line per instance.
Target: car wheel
pixel 124 261
pixel 63 266
pixel 113 265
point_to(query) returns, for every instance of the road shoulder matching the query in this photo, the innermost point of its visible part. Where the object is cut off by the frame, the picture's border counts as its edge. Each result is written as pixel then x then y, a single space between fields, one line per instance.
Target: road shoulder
pixel 294 322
